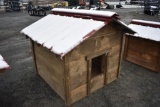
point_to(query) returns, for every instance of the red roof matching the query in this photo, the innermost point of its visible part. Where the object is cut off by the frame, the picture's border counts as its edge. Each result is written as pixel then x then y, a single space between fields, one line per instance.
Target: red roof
pixel 106 16
pixel 146 23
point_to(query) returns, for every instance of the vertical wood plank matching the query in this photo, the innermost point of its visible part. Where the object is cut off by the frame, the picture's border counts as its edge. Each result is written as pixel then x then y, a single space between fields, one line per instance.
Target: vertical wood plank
pixel 33 53
pixel 104 66
pixel 126 40
pixel 66 79
pixel 89 66
pixel 121 53
pixel 107 64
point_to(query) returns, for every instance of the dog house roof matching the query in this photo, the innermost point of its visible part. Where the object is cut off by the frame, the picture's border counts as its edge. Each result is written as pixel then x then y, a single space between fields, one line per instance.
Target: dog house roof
pixel 3 64
pixel 61 34
pixel 87 12
pixel 146 29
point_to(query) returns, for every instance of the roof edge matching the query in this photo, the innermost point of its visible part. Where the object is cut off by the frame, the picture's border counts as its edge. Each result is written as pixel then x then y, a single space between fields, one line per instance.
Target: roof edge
pixel 86 14
pixel 146 23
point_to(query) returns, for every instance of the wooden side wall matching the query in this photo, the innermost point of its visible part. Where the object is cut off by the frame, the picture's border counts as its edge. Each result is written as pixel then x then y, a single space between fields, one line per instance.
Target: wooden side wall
pixel 143 52
pixel 107 39
pixel 50 67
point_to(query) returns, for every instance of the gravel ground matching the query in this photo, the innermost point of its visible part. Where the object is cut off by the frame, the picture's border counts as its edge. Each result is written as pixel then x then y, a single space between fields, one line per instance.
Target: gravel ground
pixel 22 87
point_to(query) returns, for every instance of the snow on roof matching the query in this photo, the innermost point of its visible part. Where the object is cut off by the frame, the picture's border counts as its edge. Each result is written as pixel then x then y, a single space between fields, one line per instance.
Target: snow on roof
pixel 147 22
pixel 60 33
pixel 88 12
pixel 3 64
pixel 146 32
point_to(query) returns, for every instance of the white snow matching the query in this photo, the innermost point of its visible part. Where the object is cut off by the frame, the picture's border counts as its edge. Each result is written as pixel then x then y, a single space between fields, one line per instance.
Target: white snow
pixel 148 22
pixel 132 6
pixel 3 64
pixel 61 34
pixel 89 12
pixel 146 32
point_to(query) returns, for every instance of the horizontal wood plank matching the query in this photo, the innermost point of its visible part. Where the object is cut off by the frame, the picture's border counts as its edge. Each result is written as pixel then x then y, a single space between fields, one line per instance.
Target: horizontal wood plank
pixel 78 93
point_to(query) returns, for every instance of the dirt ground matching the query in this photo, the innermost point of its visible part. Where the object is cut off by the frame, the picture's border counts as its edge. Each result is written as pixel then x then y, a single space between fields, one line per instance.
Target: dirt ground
pixel 22 87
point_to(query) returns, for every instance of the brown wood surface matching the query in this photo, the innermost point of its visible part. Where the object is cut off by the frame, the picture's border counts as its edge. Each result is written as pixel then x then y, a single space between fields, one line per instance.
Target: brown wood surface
pixel 121 52
pixel 2 70
pixel 143 52
pixel 33 54
pixel 106 40
pixel 50 68
pixel 77 72
pixel 78 93
pixel 97 82
pixel 89 76
pixel 67 82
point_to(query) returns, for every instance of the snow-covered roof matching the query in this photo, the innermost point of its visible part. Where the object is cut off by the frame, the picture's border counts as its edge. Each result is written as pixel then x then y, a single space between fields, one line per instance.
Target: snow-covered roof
pixel 88 12
pixel 147 22
pixel 146 31
pixel 3 64
pixel 61 34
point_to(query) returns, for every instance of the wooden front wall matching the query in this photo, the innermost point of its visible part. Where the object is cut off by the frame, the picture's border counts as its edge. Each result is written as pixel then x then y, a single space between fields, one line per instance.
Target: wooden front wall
pixel 108 39
pixel 143 52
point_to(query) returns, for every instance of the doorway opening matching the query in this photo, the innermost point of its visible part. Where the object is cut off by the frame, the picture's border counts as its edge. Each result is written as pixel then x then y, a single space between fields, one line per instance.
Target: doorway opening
pixel 96 67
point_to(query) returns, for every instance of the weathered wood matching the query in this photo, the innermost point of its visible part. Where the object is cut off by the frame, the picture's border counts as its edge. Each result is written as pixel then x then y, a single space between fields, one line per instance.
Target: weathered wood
pixel 104 66
pixel 107 68
pixel 50 68
pixel 121 52
pixel 138 61
pixel 143 52
pixel 78 93
pixel 2 70
pixel 67 82
pixel 112 75
pixel 125 46
pixel 71 77
pixel 93 55
pixel 97 82
pixel 33 54
pixel 77 69
pixel 89 65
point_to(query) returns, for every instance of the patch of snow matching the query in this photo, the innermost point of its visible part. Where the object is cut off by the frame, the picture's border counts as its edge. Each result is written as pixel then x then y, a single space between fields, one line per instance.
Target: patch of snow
pixel 148 22
pixel 3 64
pixel 132 6
pixel 89 12
pixel 146 32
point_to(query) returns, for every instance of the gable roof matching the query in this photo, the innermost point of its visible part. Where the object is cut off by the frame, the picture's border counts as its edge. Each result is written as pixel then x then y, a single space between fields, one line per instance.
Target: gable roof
pixel 3 64
pixel 146 29
pixel 61 34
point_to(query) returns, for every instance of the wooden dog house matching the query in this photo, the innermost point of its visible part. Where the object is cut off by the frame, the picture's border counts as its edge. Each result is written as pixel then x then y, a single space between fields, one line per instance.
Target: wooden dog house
pixel 143 48
pixel 77 51
pixel 3 65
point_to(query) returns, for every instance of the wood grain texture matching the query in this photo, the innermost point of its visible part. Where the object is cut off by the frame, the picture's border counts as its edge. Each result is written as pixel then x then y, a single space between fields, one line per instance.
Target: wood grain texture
pixel 50 68
pixel 97 82
pixel 78 93
pixel 143 52
pixel 33 54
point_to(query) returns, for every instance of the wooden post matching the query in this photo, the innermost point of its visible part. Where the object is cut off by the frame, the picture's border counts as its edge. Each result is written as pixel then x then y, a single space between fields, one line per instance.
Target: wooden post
pixel 89 65
pixel 121 52
pixel 106 72
pixel 34 56
pixel 66 81
pixel 126 39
